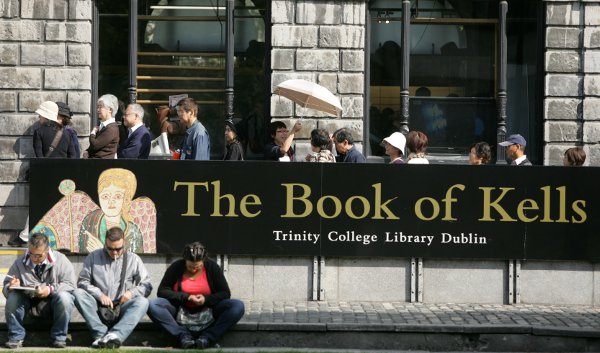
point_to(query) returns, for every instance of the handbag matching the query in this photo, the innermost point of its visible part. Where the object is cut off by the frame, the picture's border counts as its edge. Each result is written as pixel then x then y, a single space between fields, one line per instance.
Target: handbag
pixel 195 321
pixel 110 316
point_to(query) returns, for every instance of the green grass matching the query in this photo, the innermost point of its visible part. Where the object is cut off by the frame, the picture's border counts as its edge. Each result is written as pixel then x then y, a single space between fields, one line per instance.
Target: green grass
pixel 162 350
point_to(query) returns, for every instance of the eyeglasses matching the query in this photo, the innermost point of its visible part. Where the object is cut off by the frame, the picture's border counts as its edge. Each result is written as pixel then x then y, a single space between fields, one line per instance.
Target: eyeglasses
pixel 37 256
pixel 114 249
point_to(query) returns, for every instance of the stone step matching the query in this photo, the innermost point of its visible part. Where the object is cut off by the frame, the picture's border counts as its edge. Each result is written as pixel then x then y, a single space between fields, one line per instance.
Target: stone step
pixel 383 326
pixel 8 255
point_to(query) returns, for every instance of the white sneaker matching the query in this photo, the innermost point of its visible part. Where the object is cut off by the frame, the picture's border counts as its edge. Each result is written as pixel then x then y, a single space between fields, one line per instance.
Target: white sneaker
pixel 110 341
pixel 96 343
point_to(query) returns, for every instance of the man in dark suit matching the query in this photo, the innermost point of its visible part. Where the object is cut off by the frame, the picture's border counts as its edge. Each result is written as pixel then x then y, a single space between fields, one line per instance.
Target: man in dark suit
pixel 137 143
pixel 515 149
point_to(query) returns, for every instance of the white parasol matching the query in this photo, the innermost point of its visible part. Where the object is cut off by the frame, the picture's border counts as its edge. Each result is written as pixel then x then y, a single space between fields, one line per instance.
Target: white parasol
pixel 309 95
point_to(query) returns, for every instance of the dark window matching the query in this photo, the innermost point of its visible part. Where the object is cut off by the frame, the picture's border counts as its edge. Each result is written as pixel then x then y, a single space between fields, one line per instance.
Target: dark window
pixel 181 50
pixel 453 60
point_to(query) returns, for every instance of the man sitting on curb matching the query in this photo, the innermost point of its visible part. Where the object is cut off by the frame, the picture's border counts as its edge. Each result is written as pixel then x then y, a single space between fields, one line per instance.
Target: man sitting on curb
pixel 51 277
pixel 104 283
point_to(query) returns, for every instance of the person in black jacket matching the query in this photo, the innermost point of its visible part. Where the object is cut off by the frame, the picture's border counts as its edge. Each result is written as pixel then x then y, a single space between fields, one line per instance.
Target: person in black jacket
pixel 234 150
pixel 195 282
pixel 50 126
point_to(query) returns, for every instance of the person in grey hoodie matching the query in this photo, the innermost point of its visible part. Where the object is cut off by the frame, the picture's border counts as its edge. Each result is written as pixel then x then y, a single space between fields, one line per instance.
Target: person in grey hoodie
pixel 99 286
pixel 52 277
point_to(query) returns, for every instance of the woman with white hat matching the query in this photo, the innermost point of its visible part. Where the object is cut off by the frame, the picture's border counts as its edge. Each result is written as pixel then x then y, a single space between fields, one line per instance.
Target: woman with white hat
pixel 49 140
pixel 394 147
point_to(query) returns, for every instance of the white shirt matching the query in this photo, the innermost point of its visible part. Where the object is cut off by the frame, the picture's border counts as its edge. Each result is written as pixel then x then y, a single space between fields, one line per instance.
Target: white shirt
pixel 134 127
pixel 106 122
pixel 520 159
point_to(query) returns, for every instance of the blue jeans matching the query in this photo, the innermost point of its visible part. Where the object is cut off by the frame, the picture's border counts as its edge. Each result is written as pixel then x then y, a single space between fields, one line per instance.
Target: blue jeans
pixel 131 313
pixel 18 304
pixel 227 313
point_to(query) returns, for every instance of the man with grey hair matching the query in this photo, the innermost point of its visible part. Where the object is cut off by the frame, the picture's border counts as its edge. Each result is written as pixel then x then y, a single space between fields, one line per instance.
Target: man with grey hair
pixel 137 143
pixel 104 139
pixel 51 279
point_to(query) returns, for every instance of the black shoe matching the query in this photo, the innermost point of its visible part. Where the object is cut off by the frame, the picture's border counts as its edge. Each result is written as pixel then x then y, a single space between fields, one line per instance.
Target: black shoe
pixel 187 343
pixel 202 342
pixel 17 243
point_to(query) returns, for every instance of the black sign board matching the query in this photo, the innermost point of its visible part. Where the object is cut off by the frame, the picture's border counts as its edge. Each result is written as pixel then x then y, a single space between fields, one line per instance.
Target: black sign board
pixel 270 208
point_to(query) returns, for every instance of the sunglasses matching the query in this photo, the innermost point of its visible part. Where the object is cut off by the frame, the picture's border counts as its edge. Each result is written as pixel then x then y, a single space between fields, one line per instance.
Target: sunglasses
pixel 114 249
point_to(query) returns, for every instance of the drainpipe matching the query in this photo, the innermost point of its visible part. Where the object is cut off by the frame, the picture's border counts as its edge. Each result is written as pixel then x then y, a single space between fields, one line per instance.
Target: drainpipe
pixel 404 100
pixel 133 40
pixel 229 58
pixel 501 95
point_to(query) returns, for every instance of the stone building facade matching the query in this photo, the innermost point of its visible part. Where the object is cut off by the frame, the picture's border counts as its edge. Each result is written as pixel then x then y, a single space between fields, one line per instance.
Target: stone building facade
pixel 46 54
pixel 321 42
pixel 572 83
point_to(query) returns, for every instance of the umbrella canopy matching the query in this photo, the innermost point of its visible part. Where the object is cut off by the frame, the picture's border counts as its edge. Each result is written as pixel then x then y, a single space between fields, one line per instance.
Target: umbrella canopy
pixel 310 95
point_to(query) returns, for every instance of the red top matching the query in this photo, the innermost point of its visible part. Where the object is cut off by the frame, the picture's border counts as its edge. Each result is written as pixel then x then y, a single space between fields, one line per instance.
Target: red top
pixel 197 285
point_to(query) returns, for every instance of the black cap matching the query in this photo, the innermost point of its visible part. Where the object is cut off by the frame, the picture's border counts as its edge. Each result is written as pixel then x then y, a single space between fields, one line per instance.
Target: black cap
pixel 64 110
pixel 231 126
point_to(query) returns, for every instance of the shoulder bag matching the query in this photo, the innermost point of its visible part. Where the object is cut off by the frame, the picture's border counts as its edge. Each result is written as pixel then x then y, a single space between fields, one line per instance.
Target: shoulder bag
pixel 110 316
pixel 194 320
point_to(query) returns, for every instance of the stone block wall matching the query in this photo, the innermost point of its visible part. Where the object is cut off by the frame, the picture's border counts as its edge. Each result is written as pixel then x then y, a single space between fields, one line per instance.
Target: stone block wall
pixel 572 82
pixel 45 54
pixel 322 42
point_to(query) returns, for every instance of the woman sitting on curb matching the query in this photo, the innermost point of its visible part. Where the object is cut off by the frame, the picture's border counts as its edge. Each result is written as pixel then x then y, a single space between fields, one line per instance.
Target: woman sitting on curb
pixel 193 284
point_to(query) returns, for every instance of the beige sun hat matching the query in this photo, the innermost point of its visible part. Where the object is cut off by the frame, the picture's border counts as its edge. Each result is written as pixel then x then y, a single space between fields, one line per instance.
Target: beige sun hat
pixel 397 140
pixel 48 110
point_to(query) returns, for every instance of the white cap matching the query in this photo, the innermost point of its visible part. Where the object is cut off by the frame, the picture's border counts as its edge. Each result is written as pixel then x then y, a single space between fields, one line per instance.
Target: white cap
pixel 48 110
pixel 397 140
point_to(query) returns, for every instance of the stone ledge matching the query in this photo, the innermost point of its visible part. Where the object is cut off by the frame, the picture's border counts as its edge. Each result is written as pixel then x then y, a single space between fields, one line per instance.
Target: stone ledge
pixel 148 326
pixel 534 334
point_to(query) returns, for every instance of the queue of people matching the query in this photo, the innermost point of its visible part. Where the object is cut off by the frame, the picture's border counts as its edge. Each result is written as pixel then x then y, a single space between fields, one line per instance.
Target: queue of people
pixel 193 301
pixel 105 141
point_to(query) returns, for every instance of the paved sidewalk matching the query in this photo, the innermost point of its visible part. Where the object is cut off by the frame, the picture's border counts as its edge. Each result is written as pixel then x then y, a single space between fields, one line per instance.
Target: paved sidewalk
pixel 386 315
pixel 400 314
pixel 389 326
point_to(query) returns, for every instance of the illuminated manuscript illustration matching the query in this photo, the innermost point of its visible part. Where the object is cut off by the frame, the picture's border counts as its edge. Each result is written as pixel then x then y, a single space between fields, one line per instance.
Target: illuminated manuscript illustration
pixel 76 223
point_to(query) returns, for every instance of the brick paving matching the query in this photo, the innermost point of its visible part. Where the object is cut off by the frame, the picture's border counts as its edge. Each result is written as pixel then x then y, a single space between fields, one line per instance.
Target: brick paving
pixel 309 316
pixel 400 313
pixel 389 326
